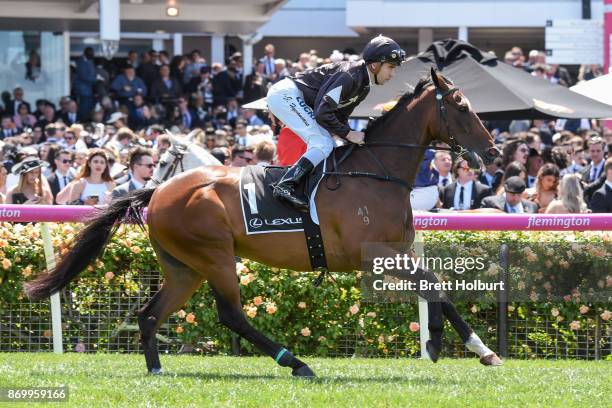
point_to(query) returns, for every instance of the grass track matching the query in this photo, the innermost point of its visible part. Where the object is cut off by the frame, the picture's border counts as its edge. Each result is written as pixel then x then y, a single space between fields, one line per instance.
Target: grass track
pixel 103 380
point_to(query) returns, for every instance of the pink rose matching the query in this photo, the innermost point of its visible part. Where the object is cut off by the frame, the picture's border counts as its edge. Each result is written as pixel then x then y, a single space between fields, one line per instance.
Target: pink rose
pixel 414 327
pixel 575 325
pixel 584 309
pixel 305 332
pixel 606 315
pixel 257 301
pixel 109 275
pixel 302 305
pixel 354 309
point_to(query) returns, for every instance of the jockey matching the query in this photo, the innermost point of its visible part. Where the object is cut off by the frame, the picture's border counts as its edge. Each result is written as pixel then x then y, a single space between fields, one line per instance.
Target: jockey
pixel 317 103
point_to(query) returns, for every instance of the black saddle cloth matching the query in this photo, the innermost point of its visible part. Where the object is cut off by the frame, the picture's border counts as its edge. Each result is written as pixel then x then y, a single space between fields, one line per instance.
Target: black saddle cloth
pixel 262 213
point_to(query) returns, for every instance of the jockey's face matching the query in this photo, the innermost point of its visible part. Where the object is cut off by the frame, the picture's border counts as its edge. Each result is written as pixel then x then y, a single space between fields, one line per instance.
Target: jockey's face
pixel 385 72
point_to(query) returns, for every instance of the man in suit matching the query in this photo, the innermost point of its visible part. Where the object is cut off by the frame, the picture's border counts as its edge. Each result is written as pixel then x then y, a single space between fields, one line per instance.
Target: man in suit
pixel 493 175
pixel 84 81
pixel 70 117
pixel 465 193
pixel 593 170
pixel 511 201
pixel 601 201
pixel 141 170
pixel 593 175
pixel 443 163
pixel 12 107
pixel 62 174
pixel 7 127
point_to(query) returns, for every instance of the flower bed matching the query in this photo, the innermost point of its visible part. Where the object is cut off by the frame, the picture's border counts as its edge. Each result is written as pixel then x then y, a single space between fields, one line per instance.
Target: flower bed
pixel 332 319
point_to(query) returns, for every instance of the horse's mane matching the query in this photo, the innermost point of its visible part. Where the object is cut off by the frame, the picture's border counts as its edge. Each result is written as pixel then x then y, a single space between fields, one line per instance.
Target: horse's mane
pixel 405 99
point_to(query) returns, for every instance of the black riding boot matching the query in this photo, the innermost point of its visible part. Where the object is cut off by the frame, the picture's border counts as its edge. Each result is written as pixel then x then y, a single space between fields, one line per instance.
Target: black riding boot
pixel 285 189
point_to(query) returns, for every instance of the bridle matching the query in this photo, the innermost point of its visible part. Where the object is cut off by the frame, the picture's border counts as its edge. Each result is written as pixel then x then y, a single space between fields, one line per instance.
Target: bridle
pixel 179 154
pixel 454 147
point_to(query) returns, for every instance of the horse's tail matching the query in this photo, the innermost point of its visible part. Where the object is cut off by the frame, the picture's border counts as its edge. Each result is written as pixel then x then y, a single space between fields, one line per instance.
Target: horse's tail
pixel 89 243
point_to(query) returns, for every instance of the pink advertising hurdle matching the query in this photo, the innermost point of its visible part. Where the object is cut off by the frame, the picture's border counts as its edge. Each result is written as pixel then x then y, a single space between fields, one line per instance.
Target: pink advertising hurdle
pixel 422 222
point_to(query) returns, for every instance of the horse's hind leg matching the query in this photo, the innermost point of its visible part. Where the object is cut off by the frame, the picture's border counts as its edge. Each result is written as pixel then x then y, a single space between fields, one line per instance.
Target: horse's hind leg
pixel 226 290
pixel 179 285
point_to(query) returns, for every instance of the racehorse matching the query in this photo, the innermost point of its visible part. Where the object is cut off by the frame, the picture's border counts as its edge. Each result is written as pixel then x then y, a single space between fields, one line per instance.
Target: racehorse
pixel 182 155
pixel 196 226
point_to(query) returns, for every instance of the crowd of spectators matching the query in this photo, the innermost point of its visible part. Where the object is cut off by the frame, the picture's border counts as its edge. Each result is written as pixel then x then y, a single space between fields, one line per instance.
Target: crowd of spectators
pixel 105 138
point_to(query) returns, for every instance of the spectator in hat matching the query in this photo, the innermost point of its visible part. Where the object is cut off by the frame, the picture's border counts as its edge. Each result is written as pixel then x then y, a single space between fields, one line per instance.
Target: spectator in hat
pixel 127 85
pixel 513 169
pixel 511 201
pixel 601 201
pixel 465 193
pixel 5 169
pixel 31 188
pixel 141 170
pixel 117 120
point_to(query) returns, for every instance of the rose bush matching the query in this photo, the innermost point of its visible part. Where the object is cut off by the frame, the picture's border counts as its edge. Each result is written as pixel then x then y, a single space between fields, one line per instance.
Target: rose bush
pixel 332 319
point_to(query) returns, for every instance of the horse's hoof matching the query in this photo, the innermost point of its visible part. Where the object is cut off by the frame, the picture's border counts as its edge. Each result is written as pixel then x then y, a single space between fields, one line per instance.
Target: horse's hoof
pixel 434 353
pixel 303 371
pixel 156 371
pixel 491 360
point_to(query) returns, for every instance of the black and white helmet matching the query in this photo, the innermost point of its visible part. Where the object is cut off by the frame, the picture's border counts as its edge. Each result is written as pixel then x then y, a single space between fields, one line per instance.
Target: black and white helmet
pixel 383 49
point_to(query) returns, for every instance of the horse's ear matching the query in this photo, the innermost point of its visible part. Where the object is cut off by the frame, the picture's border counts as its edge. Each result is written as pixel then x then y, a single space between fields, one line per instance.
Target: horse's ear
pixel 435 78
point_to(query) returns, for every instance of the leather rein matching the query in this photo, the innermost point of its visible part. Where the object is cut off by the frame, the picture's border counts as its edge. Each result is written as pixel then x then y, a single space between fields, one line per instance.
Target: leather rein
pixel 454 147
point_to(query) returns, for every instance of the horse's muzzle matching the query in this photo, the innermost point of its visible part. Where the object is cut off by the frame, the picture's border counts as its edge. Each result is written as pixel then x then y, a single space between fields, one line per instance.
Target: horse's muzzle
pixel 490 155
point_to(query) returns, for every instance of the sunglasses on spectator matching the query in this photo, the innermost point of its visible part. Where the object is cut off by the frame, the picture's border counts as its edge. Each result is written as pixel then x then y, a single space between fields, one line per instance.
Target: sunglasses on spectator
pixel 68 137
pixel 246 158
pixel 150 165
pixel 523 150
pixel 66 161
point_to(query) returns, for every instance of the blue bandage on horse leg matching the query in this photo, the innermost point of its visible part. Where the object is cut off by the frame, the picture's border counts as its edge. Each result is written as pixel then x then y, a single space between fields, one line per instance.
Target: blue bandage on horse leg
pixel 284 357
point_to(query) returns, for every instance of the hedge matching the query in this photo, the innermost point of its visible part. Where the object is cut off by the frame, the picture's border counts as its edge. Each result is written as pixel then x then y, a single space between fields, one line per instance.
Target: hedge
pixel 284 304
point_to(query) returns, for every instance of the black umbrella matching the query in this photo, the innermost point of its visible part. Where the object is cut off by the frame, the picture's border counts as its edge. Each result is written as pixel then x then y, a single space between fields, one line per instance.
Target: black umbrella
pixel 495 89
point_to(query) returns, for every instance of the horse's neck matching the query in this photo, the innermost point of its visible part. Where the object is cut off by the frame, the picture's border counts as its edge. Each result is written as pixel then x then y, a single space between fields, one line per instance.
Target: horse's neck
pixel 404 127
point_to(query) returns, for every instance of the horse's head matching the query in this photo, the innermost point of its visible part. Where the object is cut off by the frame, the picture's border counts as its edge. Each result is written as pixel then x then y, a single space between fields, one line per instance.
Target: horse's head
pixel 459 126
pixel 182 155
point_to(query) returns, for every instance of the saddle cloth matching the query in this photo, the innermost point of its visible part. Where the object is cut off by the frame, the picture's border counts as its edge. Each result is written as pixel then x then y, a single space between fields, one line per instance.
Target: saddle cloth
pixel 262 213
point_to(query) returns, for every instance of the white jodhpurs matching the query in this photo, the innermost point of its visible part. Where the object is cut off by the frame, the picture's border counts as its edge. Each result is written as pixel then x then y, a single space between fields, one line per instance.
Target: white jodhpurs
pixel 286 102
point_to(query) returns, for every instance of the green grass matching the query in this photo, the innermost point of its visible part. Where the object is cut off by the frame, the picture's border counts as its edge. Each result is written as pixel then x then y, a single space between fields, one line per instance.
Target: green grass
pixel 120 380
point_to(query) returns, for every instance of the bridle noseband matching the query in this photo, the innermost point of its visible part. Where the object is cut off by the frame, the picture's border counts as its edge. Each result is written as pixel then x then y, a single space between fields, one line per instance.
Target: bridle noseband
pixel 178 154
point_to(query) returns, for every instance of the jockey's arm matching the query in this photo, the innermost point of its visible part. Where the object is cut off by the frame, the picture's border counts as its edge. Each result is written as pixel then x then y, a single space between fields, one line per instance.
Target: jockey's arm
pixel 329 96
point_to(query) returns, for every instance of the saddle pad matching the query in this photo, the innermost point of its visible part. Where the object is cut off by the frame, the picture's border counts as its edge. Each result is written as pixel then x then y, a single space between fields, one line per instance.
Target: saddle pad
pixel 262 213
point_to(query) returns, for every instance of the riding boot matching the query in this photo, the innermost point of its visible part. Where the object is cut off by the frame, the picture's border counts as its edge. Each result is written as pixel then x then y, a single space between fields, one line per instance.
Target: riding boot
pixel 285 188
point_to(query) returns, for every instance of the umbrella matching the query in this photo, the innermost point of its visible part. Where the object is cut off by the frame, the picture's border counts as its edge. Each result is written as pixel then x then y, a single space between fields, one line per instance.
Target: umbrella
pixel 598 88
pixel 496 90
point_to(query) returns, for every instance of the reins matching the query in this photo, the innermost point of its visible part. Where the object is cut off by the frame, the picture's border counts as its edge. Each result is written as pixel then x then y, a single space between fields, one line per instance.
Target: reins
pixel 454 148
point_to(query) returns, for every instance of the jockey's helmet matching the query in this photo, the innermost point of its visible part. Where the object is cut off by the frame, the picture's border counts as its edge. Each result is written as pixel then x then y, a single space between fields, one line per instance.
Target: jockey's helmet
pixel 383 49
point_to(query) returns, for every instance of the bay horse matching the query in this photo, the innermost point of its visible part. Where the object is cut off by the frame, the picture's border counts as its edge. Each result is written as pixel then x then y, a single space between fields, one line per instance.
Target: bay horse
pixel 196 226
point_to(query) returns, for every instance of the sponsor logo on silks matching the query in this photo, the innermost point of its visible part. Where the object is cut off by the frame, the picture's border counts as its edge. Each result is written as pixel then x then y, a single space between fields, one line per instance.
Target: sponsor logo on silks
pixel 276 222
pixel 293 107
pixel 287 97
pixel 304 106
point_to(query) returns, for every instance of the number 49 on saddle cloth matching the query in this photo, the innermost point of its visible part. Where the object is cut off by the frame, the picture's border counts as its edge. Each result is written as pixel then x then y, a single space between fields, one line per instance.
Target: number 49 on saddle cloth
pixel 264 214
